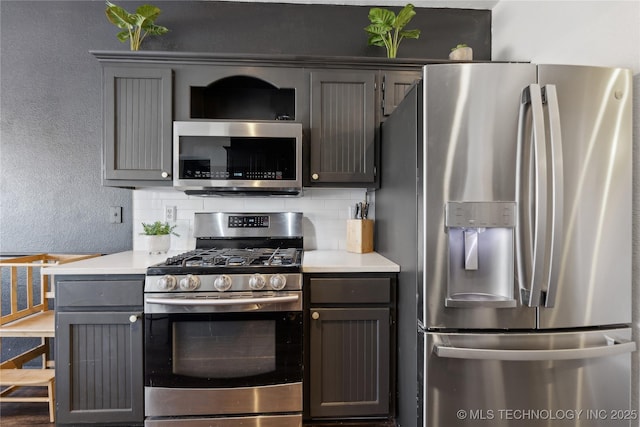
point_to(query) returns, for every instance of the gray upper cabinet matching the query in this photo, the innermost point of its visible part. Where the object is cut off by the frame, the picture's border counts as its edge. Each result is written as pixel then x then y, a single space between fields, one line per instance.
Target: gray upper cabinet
pixel 340 103
pixel 137 126
pixel 395 85
pixel 343 127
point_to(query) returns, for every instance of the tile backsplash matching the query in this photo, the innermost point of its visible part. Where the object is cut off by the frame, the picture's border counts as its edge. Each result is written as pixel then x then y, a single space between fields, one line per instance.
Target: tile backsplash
pixel 325 213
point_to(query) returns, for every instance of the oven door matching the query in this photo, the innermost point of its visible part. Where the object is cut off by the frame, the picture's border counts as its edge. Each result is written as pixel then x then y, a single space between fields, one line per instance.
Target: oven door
pixel 223 350
pixel 199 363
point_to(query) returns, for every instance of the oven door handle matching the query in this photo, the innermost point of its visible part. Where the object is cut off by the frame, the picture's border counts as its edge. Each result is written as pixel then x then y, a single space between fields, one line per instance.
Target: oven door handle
pixel 223 302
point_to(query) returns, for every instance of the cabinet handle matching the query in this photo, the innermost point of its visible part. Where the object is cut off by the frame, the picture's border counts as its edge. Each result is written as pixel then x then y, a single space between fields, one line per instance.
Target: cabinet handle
pixel 133 318
pixel 315 315
pixel 315 176
pixel 165 174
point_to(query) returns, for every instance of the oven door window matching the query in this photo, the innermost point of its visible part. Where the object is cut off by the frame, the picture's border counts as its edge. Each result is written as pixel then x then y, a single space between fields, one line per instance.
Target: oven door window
pixel 223 350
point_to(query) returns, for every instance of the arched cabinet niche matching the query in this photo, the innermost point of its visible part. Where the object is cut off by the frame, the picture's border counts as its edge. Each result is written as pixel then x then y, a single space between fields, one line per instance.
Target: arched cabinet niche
pixel 242 97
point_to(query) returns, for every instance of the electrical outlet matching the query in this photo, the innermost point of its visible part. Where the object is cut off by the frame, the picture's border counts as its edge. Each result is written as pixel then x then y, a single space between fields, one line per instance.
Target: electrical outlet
pixel 170 213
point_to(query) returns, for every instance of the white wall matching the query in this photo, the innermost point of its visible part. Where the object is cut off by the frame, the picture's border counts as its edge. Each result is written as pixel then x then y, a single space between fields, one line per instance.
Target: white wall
pixel 325 213
pixel 603 33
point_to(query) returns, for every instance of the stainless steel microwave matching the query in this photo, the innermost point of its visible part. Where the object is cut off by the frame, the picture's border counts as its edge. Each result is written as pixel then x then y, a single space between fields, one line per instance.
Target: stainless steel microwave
pixel 237 157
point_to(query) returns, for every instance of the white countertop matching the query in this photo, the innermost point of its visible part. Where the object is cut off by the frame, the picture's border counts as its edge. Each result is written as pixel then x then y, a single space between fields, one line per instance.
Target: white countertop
pixel 136 262
pixel 346 262
pixel 129 262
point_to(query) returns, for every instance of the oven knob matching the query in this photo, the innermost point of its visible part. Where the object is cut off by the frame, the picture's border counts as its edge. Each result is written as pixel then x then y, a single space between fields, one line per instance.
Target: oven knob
pixel 190 282
pixel 278 282
pixel 222 283
pixel 167 282
pixel 257 282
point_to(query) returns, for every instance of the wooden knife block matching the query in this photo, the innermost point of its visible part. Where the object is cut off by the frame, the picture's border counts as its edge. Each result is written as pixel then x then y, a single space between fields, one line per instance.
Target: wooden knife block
pixel 360 235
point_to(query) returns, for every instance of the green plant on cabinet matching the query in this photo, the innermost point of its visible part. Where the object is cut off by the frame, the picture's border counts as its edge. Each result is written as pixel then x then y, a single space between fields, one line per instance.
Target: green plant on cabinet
pixel 386 29
pixel 137 25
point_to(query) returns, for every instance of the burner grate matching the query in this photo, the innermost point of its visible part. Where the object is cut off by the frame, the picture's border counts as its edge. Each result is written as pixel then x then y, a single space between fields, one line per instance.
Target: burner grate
pixel 247 257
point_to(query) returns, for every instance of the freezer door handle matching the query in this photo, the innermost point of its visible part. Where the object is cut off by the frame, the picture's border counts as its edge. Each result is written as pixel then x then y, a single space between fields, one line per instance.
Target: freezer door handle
pixel 531 194
pixel 612 349
pixel 555 179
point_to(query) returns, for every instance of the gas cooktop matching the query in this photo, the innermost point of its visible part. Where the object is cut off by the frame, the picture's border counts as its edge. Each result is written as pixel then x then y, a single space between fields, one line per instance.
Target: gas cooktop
pixel 231 257
pixel 240 243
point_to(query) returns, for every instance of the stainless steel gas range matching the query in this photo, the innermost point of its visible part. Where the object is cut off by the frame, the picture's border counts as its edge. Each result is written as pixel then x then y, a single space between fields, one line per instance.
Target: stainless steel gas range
pixel 223 325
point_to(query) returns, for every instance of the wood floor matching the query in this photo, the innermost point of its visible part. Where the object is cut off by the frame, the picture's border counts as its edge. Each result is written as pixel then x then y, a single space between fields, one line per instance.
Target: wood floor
pixel 24 414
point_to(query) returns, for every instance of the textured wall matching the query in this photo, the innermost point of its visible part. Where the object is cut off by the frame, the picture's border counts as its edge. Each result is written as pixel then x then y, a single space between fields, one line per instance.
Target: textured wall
pixel 304 29
pixel 50 134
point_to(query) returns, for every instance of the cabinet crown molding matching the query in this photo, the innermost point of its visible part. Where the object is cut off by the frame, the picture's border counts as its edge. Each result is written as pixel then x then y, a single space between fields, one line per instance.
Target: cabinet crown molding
pixel 168 57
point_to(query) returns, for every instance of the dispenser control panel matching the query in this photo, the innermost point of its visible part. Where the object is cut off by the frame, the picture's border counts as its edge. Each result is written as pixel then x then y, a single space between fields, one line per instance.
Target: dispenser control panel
pixel 480 214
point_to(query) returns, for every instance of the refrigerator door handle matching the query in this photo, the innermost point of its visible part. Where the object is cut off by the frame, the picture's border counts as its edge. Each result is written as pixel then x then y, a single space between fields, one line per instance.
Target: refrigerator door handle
pixel 531 195
pixel 554 239
pixel 615 348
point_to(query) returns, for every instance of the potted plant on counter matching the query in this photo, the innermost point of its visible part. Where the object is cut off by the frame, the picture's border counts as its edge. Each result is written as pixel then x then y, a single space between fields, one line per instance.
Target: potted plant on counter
pixel 158 236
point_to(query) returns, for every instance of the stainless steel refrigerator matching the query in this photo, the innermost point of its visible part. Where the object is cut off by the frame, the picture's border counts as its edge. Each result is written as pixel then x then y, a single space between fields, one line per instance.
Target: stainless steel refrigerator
pixel 506 197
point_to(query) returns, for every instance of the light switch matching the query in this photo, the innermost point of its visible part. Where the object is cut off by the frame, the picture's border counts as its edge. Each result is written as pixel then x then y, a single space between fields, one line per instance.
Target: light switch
pixel 115 214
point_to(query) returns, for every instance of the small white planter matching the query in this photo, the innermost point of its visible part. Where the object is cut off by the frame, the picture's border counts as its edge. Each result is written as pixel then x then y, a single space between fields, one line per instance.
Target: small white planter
pixel 462 54
pixel 159 244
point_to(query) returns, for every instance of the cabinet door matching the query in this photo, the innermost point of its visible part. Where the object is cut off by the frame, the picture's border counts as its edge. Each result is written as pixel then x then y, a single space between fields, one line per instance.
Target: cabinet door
pixel 343 126
pixel 138 126
pixel 99 367
pixel 395 85
pixel 349 358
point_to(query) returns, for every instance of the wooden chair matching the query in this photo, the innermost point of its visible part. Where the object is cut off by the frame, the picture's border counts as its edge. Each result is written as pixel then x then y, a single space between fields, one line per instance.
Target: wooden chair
pixel 14 378
pixel 35 319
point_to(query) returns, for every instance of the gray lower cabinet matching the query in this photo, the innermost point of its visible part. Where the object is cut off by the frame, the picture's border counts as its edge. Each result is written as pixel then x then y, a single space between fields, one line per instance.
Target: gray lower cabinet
pixel 343 127
pixel 137 126
pixel 98 351
pixel 351 341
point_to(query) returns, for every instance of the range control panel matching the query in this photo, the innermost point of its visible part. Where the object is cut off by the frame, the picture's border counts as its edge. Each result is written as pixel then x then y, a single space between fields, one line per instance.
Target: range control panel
pixel 244 221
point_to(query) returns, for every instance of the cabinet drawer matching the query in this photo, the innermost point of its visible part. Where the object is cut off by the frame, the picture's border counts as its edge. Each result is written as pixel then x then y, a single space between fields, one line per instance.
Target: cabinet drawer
pixel 373 290
pixel 99 293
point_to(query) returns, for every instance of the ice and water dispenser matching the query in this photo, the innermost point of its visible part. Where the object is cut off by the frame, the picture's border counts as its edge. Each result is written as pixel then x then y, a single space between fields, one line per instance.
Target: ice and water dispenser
pixel 481 254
